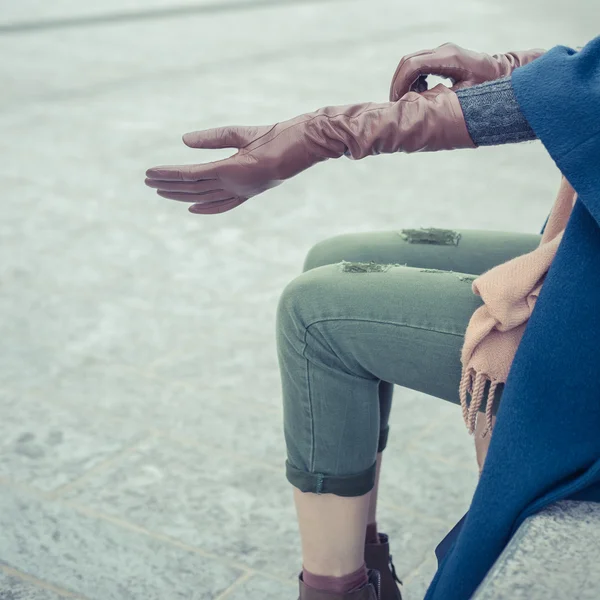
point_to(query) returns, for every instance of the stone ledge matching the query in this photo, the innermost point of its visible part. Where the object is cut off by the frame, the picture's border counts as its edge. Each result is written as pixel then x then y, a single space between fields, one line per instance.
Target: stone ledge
pixel 554 555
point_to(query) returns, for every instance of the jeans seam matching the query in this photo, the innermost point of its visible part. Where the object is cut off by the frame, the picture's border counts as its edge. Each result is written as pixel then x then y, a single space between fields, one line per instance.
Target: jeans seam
pixel 432 329
pixel 310 407
pixel 320 479
pixel 309 399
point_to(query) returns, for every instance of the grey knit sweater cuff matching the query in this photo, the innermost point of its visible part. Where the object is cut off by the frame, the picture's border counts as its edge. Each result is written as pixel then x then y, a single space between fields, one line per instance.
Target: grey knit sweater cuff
pixel 493 115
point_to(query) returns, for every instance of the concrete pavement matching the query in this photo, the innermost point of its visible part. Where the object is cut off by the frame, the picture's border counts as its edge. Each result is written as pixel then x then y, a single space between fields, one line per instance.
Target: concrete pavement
pixel 141 448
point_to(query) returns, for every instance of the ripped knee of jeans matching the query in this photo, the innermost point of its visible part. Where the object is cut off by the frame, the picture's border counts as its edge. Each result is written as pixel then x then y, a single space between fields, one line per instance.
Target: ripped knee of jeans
pixel 366 267
pixel 431 235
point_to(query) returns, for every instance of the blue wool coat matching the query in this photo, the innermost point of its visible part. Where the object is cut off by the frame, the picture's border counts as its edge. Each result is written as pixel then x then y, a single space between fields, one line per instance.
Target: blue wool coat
pixel 546 442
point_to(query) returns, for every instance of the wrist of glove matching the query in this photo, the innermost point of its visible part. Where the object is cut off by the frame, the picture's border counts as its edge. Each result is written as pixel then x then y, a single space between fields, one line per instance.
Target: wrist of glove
pixel 463 67
pixel 269 155
pixel 426 122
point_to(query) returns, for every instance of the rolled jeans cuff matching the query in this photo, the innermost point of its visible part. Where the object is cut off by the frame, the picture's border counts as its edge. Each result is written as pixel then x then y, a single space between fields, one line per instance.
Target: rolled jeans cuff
pixel 383 439
pixel 319 483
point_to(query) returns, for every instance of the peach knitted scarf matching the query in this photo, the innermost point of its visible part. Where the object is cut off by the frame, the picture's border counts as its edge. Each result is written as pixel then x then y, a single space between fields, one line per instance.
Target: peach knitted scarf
pixel 509 292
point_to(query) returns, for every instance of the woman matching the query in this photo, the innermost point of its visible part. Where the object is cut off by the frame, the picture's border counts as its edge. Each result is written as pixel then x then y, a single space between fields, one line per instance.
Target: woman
pixel 368 312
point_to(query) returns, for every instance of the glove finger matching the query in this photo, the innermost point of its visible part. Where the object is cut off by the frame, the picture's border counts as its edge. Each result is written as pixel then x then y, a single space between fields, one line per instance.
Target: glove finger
pixel 219 137
pixel 406 74
pixel 217 207
pixel 192 187
pixel 203 172
pixel 216 196
pixel 414 68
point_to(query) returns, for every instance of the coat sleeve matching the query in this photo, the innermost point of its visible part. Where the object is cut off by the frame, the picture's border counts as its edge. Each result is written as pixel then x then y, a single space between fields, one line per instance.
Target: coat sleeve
pixel 559 94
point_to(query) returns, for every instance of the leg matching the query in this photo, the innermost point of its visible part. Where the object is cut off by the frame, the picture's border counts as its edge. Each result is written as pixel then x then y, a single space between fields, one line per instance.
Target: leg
pixel 474 252
pixel 346 519
pixel 379 247
pixel 340 334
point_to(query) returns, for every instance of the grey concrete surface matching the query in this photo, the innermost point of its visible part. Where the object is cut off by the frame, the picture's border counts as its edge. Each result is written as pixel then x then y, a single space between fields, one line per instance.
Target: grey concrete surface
pixel 16 588
pixel 47 446
pixel 100 559
pixel 554 555
pixel 142 450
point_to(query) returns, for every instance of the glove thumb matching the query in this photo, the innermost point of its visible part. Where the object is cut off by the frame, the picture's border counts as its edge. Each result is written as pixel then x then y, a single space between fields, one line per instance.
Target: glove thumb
pixel 220 137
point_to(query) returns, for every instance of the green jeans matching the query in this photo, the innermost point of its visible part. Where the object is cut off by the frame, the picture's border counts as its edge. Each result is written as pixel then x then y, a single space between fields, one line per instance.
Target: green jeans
pixel 369 311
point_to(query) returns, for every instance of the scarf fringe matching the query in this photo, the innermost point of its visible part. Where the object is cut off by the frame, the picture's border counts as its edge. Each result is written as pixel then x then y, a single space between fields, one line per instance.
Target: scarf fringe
pixel 473 383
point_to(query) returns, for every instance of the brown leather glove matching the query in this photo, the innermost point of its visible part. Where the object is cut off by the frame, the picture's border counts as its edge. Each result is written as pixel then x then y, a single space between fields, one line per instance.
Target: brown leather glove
pixel 463 67
pixel 270 154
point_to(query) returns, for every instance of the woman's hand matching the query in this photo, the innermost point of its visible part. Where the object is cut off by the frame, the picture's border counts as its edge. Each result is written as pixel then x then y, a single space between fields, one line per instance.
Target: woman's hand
pixel 268 155
pixel 463 67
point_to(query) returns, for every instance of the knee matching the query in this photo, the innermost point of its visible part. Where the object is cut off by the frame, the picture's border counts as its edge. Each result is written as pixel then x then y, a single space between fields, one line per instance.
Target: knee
pixel 326 252
pixel 305 300
pixel 294 305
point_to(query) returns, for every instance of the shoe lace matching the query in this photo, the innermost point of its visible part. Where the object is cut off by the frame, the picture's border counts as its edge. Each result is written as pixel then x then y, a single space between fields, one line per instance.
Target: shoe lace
pixel 393 570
